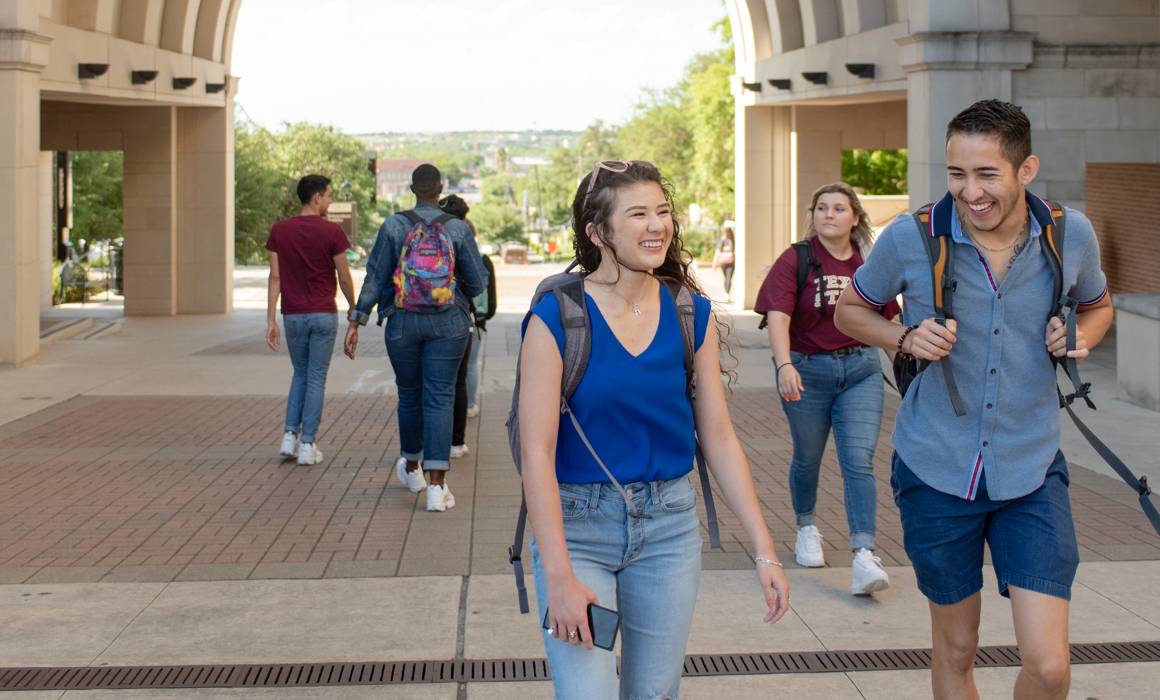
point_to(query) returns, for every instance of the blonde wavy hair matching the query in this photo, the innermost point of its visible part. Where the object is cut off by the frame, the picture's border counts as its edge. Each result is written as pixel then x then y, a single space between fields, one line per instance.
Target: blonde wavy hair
pixel 862 235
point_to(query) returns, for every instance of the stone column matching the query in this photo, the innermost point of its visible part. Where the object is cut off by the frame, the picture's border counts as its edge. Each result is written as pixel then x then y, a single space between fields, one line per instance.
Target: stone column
pixel 947 72
pixel 46 210
pixel 23 55
pixel 205 217
pixel 763 186
pixel 150 197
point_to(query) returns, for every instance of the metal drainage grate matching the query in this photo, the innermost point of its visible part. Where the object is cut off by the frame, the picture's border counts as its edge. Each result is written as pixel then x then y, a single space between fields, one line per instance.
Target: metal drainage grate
pixel 493 670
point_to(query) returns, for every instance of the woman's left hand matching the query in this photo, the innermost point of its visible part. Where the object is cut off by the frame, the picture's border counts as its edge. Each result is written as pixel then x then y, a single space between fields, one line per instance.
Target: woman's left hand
pixel 775 588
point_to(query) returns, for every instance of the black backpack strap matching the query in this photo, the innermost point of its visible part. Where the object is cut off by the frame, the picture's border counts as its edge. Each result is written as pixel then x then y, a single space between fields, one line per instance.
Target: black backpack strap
pixel 443 218
pixel 1064 306
pixel 687 314
pixel 515 553
pixel 805 262
pixel 940 251
pixel 577 349
pixel 412 216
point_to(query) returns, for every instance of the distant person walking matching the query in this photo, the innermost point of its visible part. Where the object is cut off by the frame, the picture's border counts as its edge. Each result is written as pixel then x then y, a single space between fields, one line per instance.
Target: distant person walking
pixel 483 308
pixel 305 253
pixel 422 273
pixel 827 379
pixel 725 257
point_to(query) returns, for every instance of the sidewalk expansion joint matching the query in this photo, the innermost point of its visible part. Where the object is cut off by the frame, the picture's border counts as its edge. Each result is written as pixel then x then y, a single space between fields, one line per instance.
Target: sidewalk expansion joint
pixel 499 670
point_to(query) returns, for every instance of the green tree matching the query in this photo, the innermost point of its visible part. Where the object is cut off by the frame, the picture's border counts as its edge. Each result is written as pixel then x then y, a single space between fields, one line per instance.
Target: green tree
pixel 876 172
pixel 268 165
pixel 497 222
pixel 305 148
pixel 258 191
pixel 98 214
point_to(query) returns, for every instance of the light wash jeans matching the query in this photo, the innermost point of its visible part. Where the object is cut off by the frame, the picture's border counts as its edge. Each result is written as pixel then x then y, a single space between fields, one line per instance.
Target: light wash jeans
pixel 475 366
pixel 646 568
pixel 844 393
pixel 426 350
pixel 310 341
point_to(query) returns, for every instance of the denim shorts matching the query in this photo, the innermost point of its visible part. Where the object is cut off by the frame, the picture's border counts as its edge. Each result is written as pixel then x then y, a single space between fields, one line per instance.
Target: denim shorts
pixel 1032 538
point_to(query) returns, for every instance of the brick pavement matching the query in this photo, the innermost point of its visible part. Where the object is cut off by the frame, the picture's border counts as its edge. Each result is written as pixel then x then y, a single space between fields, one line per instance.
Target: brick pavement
pixel 160 489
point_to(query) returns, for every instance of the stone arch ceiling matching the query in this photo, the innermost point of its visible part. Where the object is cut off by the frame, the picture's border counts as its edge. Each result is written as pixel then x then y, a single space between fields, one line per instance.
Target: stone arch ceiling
pixel 202 28
pixel 205 28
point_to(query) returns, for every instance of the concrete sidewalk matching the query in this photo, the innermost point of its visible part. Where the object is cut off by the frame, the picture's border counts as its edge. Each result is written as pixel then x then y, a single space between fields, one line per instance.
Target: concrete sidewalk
pixel 146 519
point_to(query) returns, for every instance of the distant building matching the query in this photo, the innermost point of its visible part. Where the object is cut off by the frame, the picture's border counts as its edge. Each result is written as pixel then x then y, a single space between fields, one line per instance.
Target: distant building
pixel 393 178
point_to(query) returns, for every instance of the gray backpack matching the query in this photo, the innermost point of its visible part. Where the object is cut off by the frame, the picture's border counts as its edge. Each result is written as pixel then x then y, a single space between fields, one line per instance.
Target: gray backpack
pixel 568 287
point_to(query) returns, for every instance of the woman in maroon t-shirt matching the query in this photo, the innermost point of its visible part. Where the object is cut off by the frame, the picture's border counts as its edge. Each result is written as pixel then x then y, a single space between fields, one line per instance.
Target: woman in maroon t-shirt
pixel 826 379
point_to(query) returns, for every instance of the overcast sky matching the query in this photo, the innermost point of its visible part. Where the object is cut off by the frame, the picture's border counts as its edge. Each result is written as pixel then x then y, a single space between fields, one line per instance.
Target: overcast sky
pixel 438 65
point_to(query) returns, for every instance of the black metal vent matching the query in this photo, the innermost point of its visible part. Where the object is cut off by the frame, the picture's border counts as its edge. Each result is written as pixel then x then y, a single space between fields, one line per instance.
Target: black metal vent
pixel 499 670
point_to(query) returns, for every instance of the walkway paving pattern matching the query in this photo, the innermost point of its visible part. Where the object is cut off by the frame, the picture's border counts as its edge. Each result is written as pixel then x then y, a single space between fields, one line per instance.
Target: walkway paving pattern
pixel 146 518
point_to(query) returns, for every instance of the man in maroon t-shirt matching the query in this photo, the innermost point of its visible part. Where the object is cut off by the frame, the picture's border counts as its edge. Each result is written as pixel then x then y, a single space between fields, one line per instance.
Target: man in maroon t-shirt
pixel 305 253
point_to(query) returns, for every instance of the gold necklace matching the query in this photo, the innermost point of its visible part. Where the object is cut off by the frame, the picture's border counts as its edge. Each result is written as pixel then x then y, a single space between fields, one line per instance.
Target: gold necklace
pixel 1019 236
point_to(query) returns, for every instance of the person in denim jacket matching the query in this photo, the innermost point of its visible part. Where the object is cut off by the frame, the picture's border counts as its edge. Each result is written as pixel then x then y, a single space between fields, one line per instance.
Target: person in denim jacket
pixel 425 348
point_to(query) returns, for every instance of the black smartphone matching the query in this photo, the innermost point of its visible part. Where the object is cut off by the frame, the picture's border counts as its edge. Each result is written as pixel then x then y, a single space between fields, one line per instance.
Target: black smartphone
pixel 602 622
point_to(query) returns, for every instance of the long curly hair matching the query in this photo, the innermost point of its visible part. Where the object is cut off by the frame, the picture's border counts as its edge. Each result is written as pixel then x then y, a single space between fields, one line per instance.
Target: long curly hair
pixel 596 208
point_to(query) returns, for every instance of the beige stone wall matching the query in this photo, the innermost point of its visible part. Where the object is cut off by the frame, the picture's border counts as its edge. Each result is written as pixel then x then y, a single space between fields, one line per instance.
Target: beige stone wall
pixel 1092 22
pixel 1090 104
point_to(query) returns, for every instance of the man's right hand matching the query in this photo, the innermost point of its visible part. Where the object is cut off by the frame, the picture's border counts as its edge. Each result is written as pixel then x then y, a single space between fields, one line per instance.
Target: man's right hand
pixel 931 341
pixel 350 345
pixel 272 335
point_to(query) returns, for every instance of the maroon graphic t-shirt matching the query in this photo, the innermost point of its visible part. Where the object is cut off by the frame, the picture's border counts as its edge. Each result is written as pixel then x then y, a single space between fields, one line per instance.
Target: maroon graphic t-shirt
pixel 306 246
pixel 810 331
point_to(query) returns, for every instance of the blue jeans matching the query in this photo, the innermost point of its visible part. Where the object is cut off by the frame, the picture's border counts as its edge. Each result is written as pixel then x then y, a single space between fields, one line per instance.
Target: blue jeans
pixel 475 366
pixel 426 351
pixel 310 341
pixel 646 568
pixel 844 393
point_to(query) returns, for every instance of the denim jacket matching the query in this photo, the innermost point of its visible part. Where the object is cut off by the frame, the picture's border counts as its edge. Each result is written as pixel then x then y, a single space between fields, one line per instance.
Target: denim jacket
pixel 379 286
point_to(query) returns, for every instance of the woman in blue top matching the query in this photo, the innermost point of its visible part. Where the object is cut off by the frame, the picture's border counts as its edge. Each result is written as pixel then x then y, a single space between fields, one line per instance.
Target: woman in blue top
pixel 590 546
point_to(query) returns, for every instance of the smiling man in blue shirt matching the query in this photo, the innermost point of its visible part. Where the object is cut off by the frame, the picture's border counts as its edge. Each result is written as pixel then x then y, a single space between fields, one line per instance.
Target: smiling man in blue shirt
pixel 994 474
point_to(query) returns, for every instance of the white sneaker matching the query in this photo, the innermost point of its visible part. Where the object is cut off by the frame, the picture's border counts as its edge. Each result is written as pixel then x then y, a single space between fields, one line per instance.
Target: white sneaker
pixel 308 454
pixel 869 576
pixel 289 445
pixel 807 550
pixel 414 481
pixel 458 451
pixel 473 411
pixel 439 498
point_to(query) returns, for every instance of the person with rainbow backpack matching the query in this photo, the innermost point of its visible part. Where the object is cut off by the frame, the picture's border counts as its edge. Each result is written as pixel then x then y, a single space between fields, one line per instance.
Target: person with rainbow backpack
pixel 422 273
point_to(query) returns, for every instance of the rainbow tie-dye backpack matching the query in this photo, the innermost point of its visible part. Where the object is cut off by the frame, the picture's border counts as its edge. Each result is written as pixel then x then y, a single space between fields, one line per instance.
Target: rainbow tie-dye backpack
pixel 425 277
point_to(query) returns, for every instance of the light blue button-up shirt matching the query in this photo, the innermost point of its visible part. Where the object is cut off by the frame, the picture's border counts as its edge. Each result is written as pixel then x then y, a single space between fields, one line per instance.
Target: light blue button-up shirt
pixel 1010 433
pixel 379 286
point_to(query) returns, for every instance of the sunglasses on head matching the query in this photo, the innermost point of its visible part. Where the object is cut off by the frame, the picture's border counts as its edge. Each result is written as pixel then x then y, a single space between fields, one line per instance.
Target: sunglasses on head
pixel 612 166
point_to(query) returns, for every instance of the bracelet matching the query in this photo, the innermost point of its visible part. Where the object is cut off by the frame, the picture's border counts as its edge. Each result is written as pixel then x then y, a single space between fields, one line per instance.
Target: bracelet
pixel 771 562
pixel 905 333
pixel 778 367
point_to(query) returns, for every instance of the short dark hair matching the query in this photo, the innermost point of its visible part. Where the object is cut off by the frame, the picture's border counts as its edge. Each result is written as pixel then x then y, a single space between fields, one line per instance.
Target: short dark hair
pixel 312 185
pixel 1003 120
pixel 454 205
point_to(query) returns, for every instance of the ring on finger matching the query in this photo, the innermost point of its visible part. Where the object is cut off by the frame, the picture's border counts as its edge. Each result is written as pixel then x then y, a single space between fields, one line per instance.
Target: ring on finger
pixel 572 634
